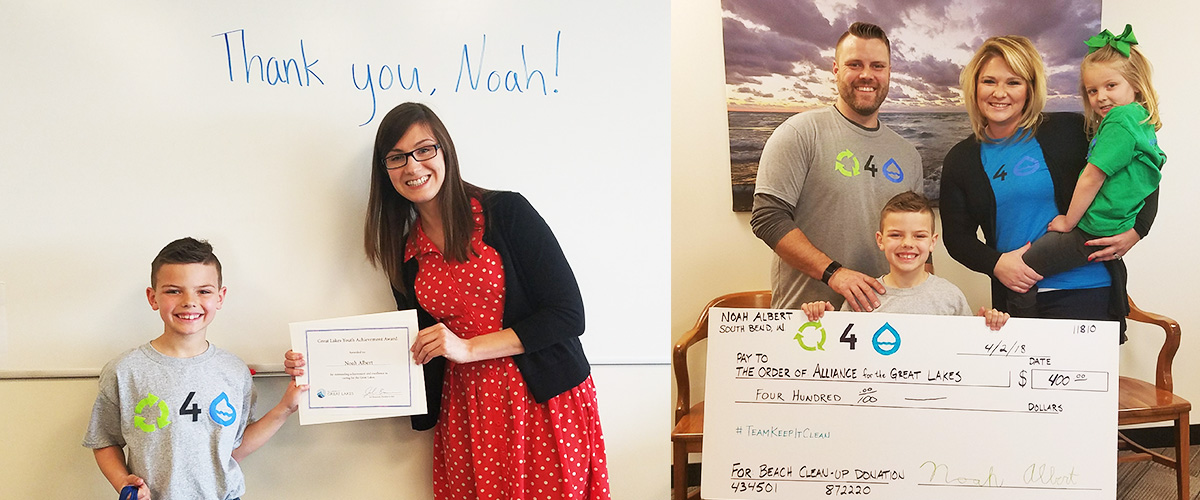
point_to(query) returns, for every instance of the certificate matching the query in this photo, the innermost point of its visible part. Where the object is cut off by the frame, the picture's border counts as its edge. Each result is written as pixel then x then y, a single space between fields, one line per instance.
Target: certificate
pixel 359 367
pixel 908 406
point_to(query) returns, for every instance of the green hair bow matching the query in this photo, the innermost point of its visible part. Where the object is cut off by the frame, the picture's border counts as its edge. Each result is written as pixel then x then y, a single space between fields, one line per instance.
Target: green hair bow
pixel 1120 42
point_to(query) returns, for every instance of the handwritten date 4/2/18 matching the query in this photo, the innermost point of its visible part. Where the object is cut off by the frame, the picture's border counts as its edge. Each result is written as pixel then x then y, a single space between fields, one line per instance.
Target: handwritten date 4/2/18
pixel 755 487
pixel 846 489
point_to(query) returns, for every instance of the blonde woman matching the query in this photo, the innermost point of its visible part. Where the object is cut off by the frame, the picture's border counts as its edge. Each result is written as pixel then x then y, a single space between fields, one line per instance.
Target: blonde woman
pixel 1014 175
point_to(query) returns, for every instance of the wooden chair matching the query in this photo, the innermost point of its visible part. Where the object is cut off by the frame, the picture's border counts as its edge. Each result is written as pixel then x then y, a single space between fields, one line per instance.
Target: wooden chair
pixel 688 433
pixel 1141 402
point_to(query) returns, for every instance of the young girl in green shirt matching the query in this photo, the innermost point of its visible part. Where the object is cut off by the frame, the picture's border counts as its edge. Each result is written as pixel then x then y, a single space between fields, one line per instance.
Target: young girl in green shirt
pixel 1124 160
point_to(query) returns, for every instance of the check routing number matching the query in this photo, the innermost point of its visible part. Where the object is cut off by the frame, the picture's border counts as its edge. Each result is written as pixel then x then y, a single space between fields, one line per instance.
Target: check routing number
pixel 886 405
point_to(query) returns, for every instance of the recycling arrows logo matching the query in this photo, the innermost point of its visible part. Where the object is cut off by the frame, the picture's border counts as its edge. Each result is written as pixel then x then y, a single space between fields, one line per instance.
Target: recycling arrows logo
pixel 841 163
pixel 799 337
pixel 163 412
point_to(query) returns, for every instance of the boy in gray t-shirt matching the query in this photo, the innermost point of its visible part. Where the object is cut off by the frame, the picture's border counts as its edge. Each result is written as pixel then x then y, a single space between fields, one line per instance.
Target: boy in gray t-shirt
pixel 179 404
pixel 906 236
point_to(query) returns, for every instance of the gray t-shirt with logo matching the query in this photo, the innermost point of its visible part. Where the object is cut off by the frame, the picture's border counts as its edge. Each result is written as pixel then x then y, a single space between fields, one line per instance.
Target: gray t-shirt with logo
pixel 933 296
pixel 179 420
pixel 836 176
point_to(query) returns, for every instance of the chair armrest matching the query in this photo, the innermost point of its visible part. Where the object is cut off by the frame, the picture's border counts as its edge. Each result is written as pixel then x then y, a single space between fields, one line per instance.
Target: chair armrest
pixel 683 402
pixel 757 299
pixel 1166 355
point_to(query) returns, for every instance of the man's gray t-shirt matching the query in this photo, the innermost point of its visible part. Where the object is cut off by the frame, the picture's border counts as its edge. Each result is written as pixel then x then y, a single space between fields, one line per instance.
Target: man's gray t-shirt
pixel 933 296
pixel 179 419
pixel 837 176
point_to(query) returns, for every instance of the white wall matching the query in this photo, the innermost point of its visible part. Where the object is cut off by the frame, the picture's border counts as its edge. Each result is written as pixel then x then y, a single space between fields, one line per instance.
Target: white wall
pixel 120 83
pixel 124 134
pixel 1163 276
pixel 714 251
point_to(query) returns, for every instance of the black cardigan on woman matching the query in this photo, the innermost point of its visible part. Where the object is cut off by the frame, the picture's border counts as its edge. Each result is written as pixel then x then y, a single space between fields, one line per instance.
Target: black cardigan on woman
pixel 542 303
pixel 968 203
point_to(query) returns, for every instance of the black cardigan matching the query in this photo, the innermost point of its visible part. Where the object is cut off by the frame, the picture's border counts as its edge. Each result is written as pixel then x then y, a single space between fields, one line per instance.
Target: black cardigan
pixel 968 202
pixel 542 303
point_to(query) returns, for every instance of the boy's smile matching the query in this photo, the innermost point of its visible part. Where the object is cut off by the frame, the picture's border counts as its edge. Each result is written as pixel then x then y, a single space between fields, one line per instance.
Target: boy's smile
pixel 187 297
pixel 906 238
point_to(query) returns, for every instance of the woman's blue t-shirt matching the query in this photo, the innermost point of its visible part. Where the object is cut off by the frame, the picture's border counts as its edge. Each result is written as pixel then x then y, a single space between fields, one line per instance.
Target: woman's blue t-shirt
pixel 1025 205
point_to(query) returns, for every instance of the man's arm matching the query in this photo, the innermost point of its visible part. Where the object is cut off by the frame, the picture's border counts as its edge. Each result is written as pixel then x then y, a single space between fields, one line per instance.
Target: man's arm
pixel 771 220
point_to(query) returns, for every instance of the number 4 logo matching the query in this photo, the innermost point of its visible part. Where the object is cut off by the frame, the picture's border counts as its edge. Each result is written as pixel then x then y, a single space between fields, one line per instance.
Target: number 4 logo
pixel 194 411
pixel 848 337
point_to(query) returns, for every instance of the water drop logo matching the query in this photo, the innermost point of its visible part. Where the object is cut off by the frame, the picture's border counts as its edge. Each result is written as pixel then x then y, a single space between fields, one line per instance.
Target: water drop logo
pixel 892 171
pixel 886 340
pixel 163 412
pixel 1026 166
pixel 221 411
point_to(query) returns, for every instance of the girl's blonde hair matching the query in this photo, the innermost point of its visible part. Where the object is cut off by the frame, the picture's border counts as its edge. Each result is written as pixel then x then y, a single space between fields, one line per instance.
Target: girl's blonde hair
pixel 1025 62
pixel 1135 69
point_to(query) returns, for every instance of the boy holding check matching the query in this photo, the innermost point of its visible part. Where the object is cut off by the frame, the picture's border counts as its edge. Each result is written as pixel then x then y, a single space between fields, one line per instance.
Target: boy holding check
pixel 180 404
pixel 906 236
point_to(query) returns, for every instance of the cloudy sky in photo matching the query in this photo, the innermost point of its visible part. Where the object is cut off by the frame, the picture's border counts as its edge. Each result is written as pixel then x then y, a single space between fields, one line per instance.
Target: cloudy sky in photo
pixel 779 53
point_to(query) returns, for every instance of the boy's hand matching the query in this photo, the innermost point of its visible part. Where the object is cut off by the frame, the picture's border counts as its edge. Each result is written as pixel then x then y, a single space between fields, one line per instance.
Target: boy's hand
pixel 994 318
pixel 290 401
pixel 143 490
pixel 1059 224
pixel 816 310
pixel 293 363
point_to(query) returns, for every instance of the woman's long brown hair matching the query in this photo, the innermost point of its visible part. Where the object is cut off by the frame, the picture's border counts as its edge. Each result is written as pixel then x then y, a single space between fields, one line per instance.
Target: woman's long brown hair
pixel 390 216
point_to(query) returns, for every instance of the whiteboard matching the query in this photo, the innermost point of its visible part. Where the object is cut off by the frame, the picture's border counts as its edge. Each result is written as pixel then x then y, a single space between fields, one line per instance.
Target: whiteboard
pixel 128 124
pixel 908 406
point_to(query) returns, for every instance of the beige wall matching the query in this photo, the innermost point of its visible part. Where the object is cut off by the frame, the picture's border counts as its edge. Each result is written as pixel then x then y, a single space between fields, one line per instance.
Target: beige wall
pixel 714 252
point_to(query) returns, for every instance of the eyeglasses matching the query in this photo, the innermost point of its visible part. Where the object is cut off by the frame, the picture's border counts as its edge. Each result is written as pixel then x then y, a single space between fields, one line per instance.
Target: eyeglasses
pixel 399 160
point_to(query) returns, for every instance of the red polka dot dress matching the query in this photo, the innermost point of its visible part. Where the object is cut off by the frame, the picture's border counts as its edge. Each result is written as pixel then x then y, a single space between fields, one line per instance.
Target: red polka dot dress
pixel 493 441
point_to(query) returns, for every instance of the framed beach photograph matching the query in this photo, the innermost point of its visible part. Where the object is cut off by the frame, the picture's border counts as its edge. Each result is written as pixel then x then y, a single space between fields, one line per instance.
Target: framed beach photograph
pixel 779 62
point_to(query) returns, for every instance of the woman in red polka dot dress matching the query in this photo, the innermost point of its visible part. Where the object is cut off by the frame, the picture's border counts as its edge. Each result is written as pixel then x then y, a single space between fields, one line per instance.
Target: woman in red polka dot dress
pixel 510 392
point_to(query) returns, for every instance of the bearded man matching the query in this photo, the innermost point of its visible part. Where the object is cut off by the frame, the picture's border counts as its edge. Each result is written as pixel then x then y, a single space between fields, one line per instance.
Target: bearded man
pixel 822 179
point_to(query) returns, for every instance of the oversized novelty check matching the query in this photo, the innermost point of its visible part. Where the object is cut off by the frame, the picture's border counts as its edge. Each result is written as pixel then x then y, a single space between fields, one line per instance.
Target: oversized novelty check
pixel 880 405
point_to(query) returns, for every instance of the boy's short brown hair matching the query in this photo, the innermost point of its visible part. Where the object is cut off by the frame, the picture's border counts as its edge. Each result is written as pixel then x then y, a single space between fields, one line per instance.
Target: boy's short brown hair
pixel 185 251
pixel 906 202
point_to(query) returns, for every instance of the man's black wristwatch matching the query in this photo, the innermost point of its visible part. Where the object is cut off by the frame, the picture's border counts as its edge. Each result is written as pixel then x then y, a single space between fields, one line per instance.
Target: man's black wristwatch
pixel 833 267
